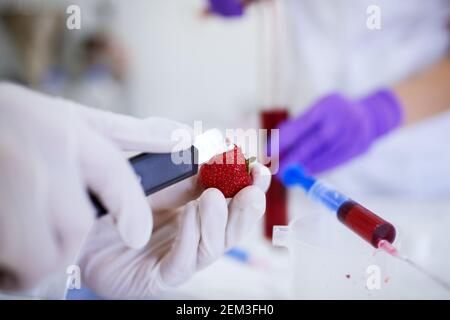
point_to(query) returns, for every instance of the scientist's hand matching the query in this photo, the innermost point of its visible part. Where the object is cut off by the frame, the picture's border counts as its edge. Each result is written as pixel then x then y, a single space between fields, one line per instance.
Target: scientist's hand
pixel 227 8
pixel 191 230
pixel 51 152
pixel 336 129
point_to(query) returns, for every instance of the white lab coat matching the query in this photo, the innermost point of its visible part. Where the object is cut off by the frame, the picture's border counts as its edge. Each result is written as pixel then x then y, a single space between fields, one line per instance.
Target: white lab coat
pixel 336 51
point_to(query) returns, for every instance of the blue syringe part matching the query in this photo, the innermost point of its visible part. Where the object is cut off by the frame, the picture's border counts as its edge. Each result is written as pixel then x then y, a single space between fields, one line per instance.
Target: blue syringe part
pixel 238 254
pixel 295 175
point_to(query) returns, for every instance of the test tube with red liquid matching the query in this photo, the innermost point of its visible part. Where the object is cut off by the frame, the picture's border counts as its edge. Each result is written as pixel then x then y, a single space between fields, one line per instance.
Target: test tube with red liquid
pixel 360 220
pixel 276 196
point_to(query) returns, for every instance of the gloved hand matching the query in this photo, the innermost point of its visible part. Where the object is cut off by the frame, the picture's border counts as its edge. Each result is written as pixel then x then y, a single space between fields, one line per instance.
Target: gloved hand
pixel 189 233
pixel 336 129
pixel 51 152
pixel 227 8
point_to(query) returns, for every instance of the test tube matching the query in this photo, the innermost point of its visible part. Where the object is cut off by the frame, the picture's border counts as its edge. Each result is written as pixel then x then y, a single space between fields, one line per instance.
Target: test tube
pixel 276 195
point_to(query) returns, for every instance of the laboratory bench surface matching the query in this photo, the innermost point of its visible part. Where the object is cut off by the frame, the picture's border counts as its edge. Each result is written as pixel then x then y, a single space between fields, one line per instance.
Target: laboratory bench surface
pixel 267 272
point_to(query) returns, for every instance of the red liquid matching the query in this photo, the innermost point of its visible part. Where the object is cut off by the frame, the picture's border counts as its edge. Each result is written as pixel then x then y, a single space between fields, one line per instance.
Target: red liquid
pixel 365 223
pixel 276 196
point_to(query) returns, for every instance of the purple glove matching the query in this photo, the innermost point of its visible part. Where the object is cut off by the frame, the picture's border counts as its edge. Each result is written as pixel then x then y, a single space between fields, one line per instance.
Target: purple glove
pixel 336 129
pixel 227 8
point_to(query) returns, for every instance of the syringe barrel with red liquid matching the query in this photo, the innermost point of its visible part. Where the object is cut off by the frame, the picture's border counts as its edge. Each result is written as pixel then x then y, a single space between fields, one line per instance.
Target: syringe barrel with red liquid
pixel 360 220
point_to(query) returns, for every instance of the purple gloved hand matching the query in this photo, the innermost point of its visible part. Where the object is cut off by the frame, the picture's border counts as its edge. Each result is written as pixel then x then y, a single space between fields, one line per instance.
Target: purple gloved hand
pixel 227 8
pixel 336 129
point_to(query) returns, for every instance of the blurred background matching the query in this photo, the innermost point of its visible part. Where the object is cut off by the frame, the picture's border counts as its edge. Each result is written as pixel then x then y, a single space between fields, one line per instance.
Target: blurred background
pixel 172 59
pixel 144 58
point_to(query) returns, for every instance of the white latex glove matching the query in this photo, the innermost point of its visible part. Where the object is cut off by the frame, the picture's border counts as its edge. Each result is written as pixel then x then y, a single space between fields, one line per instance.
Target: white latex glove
pixel 188 235
pixel 51 152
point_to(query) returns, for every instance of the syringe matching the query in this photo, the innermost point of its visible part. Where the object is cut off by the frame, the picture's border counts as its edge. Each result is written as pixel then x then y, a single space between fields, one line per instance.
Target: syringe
pixel 360 220
pixel 375 230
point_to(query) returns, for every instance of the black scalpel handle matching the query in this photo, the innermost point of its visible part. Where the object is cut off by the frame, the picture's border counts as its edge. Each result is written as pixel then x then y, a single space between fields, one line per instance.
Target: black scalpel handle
pixel 157 171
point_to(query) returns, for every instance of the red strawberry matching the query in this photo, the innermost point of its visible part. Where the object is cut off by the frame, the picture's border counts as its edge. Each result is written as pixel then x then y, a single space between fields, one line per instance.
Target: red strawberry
pixel 229 172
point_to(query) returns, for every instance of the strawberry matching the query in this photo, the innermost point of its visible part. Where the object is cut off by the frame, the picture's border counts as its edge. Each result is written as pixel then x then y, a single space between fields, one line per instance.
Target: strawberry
pixel 229 172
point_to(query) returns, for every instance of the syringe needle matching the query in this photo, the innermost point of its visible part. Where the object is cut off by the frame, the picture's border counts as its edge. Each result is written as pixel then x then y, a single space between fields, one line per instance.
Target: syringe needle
pixel 389 248
pixel 430 275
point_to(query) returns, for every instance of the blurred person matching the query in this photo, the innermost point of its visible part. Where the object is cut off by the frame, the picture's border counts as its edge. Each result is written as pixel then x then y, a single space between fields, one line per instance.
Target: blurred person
pixel 102 75
pixel 29 42
pixel 362 84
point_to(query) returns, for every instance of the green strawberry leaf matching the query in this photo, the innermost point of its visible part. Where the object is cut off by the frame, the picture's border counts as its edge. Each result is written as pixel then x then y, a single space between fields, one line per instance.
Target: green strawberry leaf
pixel 248 162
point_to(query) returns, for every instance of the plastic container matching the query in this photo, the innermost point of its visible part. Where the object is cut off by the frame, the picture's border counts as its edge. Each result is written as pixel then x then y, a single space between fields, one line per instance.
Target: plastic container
pixel 331 262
